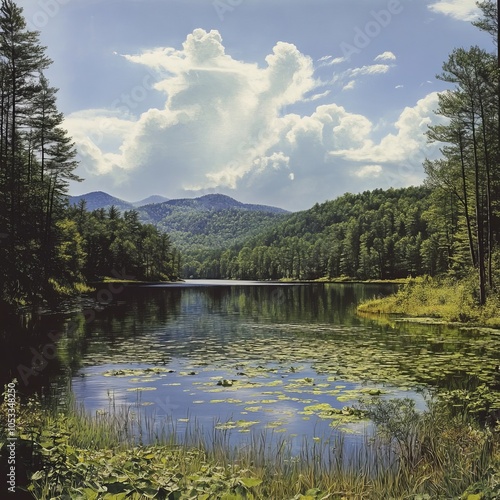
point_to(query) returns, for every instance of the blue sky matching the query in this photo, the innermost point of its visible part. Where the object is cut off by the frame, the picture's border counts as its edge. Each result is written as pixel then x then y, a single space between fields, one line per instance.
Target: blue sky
pixel 281 102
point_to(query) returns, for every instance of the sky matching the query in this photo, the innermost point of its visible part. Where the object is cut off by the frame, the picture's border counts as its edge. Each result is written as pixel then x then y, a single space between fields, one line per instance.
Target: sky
pixel 278 102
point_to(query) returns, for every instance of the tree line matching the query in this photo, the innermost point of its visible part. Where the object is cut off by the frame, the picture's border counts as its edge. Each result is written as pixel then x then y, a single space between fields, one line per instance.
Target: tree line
pixel 112 242
pixel 451 225
pixel 465 181
pixel 377 234
pixel 46 250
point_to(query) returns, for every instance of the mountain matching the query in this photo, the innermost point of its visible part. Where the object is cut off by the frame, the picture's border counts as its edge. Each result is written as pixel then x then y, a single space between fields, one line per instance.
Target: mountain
pixel 198 227
pixel 218 202
pixel 201 226
pixel 150 200
pixel 99 199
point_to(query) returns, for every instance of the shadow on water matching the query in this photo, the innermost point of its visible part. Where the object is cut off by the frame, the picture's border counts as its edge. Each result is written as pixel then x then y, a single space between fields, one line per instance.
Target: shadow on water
pixel 286 359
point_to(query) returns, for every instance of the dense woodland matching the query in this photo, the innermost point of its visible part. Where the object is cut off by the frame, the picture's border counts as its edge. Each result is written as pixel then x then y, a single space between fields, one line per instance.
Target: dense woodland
pixel 46 250
pixel 378 234
pixel 451 225
pixel 116 244
pixel 206 226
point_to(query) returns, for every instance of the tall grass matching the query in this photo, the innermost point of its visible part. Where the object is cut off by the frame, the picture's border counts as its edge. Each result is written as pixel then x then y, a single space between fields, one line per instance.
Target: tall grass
pixel 439 453
pixel 446 298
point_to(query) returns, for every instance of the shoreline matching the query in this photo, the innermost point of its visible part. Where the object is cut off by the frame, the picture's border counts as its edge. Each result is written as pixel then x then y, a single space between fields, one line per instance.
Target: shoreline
pixel 390 281
pixel 426 300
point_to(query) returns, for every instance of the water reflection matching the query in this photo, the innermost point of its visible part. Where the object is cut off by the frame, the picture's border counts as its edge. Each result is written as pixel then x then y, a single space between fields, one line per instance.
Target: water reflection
pixel 286 358
pixel 231 355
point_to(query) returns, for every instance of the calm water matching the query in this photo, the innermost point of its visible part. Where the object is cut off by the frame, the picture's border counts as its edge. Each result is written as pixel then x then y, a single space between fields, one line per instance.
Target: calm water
pixel 288 360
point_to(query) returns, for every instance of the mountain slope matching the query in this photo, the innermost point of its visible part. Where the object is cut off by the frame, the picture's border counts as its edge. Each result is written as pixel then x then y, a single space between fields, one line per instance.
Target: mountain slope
pixel 98 199
pixel 155 198
pixel 209 202
pixel 201 226
pixel 371 235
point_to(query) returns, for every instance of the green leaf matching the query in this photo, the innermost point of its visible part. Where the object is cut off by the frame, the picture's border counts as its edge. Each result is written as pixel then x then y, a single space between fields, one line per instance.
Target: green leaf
pixel 90 494
pixel 115 496
pixel 38 475
pixel 250 482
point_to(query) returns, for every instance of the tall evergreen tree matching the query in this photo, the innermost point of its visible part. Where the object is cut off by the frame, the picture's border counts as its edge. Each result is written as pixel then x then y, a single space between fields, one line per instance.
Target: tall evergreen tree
pixel 468 168
pixel 37 159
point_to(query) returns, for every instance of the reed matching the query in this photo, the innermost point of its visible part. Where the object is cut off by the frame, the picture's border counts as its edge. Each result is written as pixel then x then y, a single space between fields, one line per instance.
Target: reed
pixel 446 298
pixel 123 453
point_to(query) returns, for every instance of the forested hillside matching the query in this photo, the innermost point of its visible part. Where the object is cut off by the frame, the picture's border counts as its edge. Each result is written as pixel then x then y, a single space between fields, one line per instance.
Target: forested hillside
pixel 202 227
pixel 207 202
pixel 377 234
pixel 199 228
pixel 48 251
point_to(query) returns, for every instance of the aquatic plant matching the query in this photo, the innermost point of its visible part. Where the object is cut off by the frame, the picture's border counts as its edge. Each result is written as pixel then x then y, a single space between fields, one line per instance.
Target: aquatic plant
pixel 438 453
pixel 445 298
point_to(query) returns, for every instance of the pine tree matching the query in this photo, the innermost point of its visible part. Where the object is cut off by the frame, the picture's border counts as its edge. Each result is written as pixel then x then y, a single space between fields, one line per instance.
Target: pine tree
pixel 37 160
pixel 466 169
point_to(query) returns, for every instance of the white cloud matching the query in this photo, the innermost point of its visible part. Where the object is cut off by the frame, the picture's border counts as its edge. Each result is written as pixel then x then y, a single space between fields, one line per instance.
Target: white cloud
pixel 225 127
pixel 408 145
pixel 369 171
pixel 350 85
pixel 316 97
pixel 220 118
pixel 349 78
pixel 462 10
pixel 331 61
pixel 372 69
pixel 385 56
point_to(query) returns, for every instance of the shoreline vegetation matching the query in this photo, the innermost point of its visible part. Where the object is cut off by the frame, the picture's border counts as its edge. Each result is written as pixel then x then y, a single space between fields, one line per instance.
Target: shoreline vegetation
pixel 348 280
pixel 425 299
pixel 443 452
pixel 109 280
pixel 50 251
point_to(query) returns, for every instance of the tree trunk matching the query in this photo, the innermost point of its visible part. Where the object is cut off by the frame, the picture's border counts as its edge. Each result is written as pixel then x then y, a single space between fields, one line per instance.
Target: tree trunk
pixel 479 220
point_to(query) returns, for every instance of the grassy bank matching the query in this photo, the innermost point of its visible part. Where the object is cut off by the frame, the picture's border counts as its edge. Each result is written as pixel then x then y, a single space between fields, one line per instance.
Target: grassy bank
pixel 446 299
pixel 437 454
pixel 347 279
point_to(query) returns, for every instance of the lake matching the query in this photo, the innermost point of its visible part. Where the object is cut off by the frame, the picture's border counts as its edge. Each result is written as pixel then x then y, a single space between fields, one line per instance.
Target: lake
pixel 243 358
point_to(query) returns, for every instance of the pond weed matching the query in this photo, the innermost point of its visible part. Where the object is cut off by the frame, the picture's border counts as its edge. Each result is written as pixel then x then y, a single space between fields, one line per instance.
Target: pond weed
pixel 441 452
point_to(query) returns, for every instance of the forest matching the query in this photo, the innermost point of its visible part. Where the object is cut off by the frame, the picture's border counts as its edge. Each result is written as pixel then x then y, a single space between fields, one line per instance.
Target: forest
pixel 47 251
pixel 374 235
pixel 423 396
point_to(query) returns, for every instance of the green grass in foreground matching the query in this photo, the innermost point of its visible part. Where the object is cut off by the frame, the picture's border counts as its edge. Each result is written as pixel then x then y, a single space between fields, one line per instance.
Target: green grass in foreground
pixel 446 298
pixel 441 453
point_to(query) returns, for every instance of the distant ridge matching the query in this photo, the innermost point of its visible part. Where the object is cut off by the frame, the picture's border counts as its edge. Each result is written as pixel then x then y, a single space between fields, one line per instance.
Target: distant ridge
pixel 220 202
pixel 209 202
pixel 98 199
pixel 155 198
